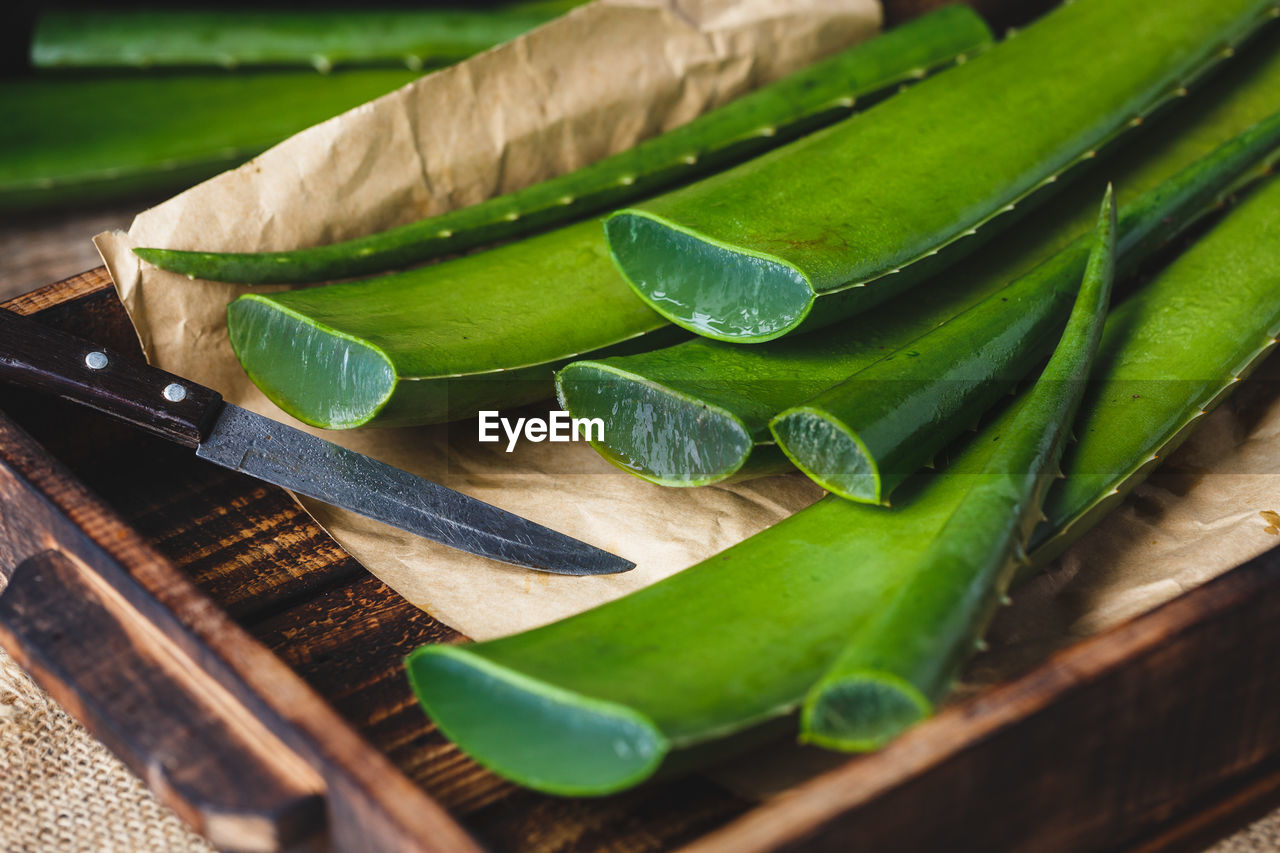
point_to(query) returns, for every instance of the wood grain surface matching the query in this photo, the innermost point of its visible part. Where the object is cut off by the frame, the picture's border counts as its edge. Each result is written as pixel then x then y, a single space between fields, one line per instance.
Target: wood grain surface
pixel 39 248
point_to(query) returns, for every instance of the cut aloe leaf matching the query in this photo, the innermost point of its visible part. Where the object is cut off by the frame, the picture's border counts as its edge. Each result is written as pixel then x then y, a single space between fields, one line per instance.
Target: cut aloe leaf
pixel 905 655
pixel 697 413
pixel 760 121
pixel 728 393
pixel 143 136
pixel 838 222
pixel 739 639
pixel 317 38
pixel 442 342
pixel 862 437
pixel 1141 407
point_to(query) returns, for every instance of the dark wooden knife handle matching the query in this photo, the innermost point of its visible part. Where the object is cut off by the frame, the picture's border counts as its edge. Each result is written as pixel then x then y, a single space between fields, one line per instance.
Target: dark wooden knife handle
pixel 44 359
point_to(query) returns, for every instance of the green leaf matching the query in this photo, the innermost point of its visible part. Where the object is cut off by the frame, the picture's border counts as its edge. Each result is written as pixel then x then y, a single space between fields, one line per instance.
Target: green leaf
pixel 903 658
pixel 864 436
pixel 489 330
pixel 726 394
pixel 787 109
pixel 739 639
pixel 442 342
pixel 840 221
pixel 78 139
pixel 312 38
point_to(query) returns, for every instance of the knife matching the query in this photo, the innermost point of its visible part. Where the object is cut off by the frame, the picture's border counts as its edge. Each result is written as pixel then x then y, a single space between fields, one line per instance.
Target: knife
pixel 35 356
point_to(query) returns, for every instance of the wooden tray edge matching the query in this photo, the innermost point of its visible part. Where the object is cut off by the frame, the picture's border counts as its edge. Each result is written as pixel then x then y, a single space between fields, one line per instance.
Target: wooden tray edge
pixel 371 804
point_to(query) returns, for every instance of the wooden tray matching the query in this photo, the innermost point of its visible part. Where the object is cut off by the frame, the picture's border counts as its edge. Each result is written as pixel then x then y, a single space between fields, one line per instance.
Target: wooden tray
pixel 250 671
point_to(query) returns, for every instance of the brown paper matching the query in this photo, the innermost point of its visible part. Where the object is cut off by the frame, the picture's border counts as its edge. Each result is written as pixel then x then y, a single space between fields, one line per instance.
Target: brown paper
pixel 580 88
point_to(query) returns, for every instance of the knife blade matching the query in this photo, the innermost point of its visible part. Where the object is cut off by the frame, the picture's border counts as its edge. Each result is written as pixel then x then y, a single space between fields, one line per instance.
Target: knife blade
pixel 36 356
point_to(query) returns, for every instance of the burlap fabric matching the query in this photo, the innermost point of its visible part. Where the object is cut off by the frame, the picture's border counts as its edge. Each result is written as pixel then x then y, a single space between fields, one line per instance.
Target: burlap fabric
pixel 1262 837
pixel 63 791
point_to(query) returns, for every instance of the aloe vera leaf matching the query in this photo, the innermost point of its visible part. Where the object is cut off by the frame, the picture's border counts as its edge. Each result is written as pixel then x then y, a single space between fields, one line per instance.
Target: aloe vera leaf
pixel 441 342
pixel 906 654
pixel 725 394
pixel 838 222
pixel 595 703
pixel 1162 375
pixel 141 140
pixel 323 39
pixel 864 436
pixel 741 129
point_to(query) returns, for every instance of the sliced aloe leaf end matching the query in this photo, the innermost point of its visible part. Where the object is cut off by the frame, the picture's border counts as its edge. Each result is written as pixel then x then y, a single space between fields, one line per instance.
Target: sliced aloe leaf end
pixel 542 736
pixel 861 711
pixel 655 432
pixel 829 454
pixel 683 276
pixel 321 376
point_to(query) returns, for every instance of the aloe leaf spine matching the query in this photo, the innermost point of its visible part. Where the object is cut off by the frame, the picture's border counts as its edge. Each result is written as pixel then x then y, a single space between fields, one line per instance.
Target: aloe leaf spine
pixel 302 38
pixel 595 703
pixel 903 659
pixel 838 222
pixel 725 394
pixel 1160 375
pixel 756 122
pixel 862 437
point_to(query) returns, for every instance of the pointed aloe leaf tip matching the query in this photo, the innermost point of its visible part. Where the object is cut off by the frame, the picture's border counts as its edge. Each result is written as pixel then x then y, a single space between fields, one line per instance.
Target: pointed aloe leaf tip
pixel 905 656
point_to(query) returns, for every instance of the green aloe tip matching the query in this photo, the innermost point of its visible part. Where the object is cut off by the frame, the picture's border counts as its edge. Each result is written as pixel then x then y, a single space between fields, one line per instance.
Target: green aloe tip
pixel 655 432
pixel 321 376
pixel 861 711
pixel 829 453
pixel 524 729
pixel 712 290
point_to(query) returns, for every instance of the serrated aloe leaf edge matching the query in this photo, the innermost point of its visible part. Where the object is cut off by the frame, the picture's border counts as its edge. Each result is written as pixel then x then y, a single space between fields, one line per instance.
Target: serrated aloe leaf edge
pixel 831 225
pixel 863 437
pixel 740 638
pixel 814 97
pixel 905 655
pixel 735 390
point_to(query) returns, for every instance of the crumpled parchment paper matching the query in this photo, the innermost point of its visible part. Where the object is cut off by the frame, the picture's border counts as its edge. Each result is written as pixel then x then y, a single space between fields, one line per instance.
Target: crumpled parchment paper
pixel 582 87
